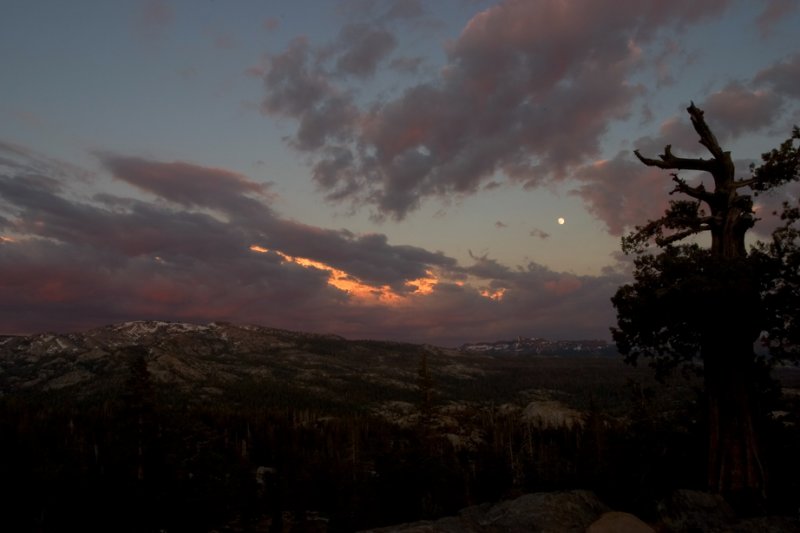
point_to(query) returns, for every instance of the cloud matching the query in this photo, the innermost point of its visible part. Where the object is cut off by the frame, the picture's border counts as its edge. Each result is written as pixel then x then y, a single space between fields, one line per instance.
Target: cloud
pixel 783 77
pixel 539 234
pixel 623 193
pixel 737 109
pixel 528 91
pixel 292 82
pixel 23 161
pixel 774 12
pixel 297 87
pixel 184 183
pixel 205 245
pixel 535 301
pixel 362 48
pixel 370 257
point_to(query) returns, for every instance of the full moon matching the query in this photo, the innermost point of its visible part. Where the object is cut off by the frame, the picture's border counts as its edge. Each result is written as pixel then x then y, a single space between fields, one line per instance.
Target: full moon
pixel 561 220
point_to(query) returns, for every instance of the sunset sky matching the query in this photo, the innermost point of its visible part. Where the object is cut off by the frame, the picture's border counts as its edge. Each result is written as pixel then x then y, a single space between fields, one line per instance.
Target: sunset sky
pixel 386 169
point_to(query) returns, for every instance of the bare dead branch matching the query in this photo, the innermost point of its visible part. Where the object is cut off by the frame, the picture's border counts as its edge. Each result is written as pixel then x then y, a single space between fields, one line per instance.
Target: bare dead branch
pixel 669 162
pixel 698 193
pixel 707 138
pixel 720 167
pixel 674 237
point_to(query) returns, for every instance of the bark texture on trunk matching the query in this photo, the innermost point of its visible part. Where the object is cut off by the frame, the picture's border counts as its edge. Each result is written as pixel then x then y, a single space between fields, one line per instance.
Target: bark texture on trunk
pixel 731 375
pixel 734 458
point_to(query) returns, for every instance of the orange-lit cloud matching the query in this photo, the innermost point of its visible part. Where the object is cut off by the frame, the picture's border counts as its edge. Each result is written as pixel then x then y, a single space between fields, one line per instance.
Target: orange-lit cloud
pixel 353 286
pixel 495 295
pixel 423 285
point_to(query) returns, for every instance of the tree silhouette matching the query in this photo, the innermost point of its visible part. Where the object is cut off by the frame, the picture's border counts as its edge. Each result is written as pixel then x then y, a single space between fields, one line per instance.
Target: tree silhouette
pixel 703 309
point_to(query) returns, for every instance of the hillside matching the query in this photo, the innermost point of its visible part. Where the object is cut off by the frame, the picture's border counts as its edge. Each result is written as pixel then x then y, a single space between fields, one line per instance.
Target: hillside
pixel 204 362
pixel 184 427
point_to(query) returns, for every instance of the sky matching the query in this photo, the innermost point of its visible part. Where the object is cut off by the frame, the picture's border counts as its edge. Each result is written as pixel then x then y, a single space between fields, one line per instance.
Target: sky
pixel 382 169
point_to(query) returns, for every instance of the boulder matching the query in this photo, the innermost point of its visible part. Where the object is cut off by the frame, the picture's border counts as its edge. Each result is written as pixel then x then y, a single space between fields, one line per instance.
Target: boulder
pixel 619 522
pixel 696 511
pixel 562 512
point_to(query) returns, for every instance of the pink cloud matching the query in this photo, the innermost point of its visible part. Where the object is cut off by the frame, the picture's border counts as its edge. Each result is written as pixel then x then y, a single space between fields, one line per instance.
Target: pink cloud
pixel 623 193
pixel 784 77
pixel 184 183
pixel 773 13
pixel 737 109
pixel 529 90
pixel 81 262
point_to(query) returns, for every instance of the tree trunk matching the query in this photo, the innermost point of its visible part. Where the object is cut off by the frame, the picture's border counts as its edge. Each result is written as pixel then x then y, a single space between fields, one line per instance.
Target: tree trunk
pixel 734 459
pixel 731 376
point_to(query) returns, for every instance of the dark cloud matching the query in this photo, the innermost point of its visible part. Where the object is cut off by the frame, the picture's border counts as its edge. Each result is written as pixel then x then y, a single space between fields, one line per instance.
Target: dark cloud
pixel 73 263
pixel 528 90
pixel 362 48
pixel 487 268
pixel 299 88
pixel 737 109
pixel 784 77
pixel 22 161
pixel 535 301
pixel 183 183
pixel 369 257
pixel 293 81
pixel 540 234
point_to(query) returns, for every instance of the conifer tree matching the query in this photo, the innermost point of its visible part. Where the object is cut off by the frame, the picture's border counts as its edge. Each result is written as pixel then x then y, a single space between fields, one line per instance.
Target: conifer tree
pixel 704 308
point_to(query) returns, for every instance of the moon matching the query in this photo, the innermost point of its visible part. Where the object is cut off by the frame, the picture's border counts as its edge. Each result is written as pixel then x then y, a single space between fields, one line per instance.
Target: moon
pixel 561 220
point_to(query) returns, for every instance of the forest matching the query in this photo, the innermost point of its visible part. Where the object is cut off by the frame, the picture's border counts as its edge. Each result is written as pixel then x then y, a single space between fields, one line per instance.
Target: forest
pixel 273 455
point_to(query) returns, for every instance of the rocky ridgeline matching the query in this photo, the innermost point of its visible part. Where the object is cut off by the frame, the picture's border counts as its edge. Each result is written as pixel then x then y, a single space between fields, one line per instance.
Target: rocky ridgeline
pixel 178 354
pixel 205 362
pixel 539 346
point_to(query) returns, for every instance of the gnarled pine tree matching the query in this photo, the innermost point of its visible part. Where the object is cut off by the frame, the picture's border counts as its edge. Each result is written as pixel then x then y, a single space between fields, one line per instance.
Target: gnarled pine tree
pixel 704 308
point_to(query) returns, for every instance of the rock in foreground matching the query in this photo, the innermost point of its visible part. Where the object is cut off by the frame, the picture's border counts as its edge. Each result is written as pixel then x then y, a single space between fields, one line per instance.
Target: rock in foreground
pixel 567 512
